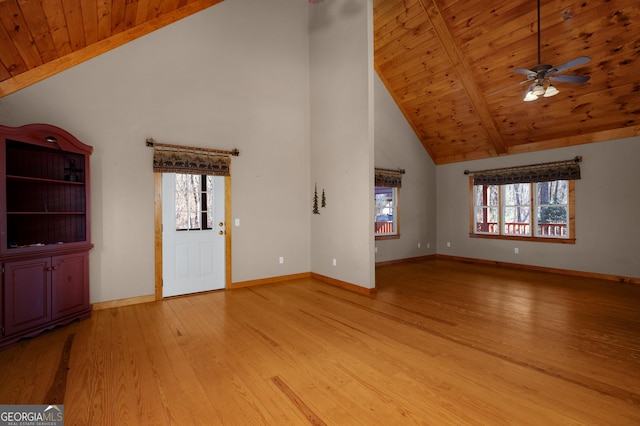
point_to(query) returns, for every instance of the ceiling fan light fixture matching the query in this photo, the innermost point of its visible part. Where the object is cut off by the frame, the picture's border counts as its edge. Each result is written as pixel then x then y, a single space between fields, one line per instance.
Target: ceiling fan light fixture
pixel 530 95
pixel 538 89
pixel 551 91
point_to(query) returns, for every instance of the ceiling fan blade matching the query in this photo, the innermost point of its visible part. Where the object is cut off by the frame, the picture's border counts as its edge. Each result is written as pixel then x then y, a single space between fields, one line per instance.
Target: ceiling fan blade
pixel 573 63
pixel 569 78
pixel 525 72
pixel 509 87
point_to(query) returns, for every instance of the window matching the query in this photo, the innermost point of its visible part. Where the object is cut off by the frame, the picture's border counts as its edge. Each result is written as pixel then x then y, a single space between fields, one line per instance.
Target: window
pixel 387 185
pixel 516 209
pixel 485 202
pixel 539 210
pixel 552 209
pixel 194 202
pixel 386 212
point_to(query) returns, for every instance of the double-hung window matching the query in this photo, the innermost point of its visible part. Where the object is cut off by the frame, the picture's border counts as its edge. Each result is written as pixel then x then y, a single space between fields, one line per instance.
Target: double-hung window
pixel 516 209
pixel 525 203
pixel 386 217
pixel 387 190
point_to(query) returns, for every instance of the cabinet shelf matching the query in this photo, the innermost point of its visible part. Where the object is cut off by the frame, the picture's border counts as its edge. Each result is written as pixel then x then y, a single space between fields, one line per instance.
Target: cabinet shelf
pixel 45 213
pixel 42 180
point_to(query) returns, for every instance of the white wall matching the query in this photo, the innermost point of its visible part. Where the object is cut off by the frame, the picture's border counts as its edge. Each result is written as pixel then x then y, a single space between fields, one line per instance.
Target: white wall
pixel 607 209
pixel 232 76
pixel 291 85
pixel 397 146
pixel 342 146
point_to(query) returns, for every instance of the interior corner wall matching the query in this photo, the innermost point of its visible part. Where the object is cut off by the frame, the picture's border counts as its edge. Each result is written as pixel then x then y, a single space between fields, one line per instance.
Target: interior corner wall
pixel 606 212
pixel 398 147
pixel 342 146
pixel 232 76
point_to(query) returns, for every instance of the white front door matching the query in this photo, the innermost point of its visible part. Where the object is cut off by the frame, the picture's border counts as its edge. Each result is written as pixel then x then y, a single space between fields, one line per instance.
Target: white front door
pixel 193 233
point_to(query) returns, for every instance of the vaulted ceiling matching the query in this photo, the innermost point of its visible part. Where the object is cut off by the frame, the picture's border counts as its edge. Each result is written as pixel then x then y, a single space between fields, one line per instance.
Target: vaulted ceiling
pixel 40 38
pixel 446 63
pixel 449 64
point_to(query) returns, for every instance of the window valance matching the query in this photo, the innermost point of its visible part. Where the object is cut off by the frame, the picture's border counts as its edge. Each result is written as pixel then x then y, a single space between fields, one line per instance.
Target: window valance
pixel 190 160
pixel 543 172
pixel 389 178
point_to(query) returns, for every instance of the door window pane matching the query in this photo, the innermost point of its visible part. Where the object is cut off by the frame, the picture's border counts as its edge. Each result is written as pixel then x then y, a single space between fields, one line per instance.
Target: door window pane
pixel 194 202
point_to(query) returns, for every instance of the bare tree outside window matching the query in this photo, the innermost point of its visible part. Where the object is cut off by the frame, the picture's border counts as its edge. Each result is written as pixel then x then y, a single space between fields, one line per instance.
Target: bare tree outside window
pixel 194 202
pixel 552 211
pixel 517 209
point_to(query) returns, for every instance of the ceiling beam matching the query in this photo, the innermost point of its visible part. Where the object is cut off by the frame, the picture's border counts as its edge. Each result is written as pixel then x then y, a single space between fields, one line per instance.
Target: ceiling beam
pixel 465 75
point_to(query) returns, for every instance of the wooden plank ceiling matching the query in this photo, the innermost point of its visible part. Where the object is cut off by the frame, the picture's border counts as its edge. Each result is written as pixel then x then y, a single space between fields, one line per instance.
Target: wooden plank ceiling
pixel 39 38
pixel 441 60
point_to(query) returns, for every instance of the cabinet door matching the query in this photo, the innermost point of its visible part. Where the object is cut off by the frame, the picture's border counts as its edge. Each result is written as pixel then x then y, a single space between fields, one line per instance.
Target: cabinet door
pixel 69 284
pixel 27 294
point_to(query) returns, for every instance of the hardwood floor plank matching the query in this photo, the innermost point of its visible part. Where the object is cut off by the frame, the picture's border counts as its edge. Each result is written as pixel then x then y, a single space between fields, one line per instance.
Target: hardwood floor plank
pixel 101 409
pixel 10 363
pixel 81 372
pixel 442 342
pixel 56 392
pixel 202 341
pixel 33 372
pixel 150 408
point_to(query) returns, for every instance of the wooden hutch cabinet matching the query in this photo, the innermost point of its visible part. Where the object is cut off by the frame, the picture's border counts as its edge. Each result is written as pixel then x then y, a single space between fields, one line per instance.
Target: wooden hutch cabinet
pixel 45 230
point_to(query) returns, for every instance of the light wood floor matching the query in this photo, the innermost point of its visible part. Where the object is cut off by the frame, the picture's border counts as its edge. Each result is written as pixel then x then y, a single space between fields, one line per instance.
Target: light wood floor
pixel 441 343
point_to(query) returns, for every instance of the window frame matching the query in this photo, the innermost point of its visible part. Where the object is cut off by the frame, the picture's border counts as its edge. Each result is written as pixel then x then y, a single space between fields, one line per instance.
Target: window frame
pixel 571 239
pixel 396 214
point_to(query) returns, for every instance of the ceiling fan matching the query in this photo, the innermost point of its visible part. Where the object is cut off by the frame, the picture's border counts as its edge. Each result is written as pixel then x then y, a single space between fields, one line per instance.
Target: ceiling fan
pixel 540 73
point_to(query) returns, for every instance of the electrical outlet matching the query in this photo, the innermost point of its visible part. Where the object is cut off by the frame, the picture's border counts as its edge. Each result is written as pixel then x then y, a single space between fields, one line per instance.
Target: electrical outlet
pixel 376 249
pixel 281 259
pixel 419 245
pixel 334 262
pixel 448 244
pixel 516 250
pixel 237 222
pixel 428 245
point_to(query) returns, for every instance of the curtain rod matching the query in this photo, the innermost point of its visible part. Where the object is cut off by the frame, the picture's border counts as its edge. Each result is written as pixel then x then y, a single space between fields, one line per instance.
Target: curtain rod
pixel 152 143
pixel 390 170
pixel 577 159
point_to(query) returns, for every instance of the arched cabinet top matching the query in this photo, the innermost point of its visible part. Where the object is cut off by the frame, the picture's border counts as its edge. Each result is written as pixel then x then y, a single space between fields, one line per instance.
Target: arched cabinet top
pixel 45 135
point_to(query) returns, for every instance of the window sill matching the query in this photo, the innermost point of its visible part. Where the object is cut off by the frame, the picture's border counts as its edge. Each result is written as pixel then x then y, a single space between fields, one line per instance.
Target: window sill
pixel 532 239
pixel 387 237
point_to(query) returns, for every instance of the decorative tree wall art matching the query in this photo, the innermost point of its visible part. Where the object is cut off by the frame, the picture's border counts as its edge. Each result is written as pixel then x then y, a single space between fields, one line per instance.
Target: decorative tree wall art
pixel 315 200
pixel 324 200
